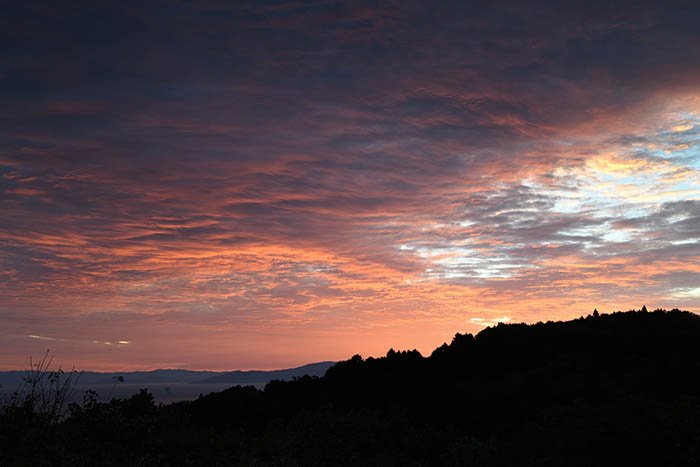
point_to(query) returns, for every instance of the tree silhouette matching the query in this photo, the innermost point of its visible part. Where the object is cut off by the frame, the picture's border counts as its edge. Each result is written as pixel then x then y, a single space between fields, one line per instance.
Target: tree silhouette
pixel 513 394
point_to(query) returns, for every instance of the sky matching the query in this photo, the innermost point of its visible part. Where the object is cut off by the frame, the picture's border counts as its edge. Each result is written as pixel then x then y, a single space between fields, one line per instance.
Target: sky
pixel 237 185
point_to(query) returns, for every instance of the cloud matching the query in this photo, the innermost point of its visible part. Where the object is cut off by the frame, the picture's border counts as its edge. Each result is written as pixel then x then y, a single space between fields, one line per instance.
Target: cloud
pixel 59 339
pixel 354 170
pixel 32 336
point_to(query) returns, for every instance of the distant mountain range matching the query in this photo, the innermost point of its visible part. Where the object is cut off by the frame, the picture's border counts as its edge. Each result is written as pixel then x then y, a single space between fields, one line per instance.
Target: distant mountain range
pixel 12 379
pixel 244 377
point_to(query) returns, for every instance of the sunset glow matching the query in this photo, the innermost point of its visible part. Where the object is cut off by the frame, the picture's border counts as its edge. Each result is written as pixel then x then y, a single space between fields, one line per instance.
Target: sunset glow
pixel 213 187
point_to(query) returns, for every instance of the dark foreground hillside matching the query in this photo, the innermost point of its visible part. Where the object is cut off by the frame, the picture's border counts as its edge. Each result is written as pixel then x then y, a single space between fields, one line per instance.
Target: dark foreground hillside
pixel 618 389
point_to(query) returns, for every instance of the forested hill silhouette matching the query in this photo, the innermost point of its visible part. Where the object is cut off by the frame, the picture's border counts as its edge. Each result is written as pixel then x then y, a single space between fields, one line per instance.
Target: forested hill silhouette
pixel 606 389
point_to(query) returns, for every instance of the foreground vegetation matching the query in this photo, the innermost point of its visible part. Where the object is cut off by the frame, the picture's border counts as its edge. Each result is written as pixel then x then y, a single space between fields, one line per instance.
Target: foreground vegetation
pixel 617 389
